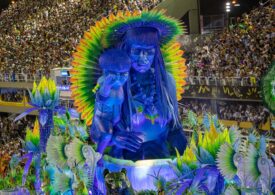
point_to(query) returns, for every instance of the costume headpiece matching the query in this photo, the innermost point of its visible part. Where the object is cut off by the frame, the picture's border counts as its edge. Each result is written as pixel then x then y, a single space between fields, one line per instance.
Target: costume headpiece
pixel 168 28
pixel 106 33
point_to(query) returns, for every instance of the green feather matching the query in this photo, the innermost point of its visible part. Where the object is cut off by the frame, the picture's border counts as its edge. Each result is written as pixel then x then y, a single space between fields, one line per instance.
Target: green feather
pixel 62 182
pixel 234 134
pixel 225 161
pixel 251 161
pixel 56 151
pixel 74 151
pixel 231 191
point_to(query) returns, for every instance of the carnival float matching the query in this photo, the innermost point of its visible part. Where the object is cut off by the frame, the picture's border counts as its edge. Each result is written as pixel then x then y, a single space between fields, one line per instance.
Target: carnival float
pixel 128 74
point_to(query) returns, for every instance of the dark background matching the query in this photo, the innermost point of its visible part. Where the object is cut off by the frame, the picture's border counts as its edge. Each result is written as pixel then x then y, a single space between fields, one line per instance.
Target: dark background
pixel 4 4
pixel 212 7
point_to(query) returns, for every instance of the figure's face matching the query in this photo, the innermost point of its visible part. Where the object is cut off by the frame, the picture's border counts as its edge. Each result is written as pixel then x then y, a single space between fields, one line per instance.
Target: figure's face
pixel 142 57
pixel 118 78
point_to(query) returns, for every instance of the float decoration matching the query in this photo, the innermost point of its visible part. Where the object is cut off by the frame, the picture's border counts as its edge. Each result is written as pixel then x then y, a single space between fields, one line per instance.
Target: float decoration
pixel 219 161
pixel 45 99
pixel 71 160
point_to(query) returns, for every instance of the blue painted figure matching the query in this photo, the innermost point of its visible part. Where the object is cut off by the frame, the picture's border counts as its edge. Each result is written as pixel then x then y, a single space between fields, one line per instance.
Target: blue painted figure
pixel 109 98
pixel 138 117
pixel 150 107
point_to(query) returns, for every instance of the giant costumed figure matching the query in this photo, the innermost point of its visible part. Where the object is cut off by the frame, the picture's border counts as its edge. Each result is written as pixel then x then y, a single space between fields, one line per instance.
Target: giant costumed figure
pixel 148 126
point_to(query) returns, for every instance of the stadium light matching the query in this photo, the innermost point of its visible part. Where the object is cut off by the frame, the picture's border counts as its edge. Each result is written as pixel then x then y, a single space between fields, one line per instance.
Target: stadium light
pixel 227 7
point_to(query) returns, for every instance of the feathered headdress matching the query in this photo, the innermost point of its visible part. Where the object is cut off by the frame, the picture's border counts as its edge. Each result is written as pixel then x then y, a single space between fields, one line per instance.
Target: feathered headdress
pixel 107 32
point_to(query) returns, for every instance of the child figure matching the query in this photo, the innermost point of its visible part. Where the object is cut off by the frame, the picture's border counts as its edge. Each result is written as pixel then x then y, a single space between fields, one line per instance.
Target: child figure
pixel 110 96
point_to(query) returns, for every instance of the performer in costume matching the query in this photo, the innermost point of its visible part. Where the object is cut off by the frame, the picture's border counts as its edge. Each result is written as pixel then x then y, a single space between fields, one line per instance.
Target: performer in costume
pixel 115 65
pixel 151 108
pixel 149 126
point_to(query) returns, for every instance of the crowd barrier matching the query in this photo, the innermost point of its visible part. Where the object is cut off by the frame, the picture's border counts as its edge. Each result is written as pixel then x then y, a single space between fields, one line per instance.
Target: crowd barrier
pixel 24 103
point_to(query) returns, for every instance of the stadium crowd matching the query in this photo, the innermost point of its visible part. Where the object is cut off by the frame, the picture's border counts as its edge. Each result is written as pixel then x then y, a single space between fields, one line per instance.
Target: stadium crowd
pixel 243 50
pixel 37 36
pixel 198 106
pixel 11 130
pixel 12 95
pixel 241 112
pixel 256 113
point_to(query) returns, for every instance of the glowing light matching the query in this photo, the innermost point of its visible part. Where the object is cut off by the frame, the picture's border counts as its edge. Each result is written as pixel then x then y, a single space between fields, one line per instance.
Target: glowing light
pixel 228 7
pixel 237 5
pixel 227 3
pixel 142 168
pixel 233 2
pixel 227 10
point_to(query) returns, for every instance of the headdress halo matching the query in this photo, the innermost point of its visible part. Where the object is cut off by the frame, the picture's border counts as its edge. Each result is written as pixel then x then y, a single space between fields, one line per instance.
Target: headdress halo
pixel 105 33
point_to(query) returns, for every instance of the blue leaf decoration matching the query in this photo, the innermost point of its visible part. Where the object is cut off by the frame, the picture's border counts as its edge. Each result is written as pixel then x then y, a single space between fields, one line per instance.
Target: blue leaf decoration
pixel 43 117
pixel 205 157
pixel 30 147
pixel 212 176
pixel 184 186
pixel 206 121
pixel 38 99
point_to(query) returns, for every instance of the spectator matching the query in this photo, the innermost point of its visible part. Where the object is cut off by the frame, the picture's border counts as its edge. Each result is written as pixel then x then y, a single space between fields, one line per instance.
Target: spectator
pixel 246 50
pixel 10 130
pixel 37 36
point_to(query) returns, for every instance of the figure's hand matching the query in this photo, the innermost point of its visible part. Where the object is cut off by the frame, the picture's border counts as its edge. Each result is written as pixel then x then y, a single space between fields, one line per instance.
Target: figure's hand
pixel 107 85
pixel 127 140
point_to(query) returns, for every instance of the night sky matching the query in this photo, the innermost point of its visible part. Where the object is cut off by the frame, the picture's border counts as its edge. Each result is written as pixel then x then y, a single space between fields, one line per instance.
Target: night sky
pixel 212 7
